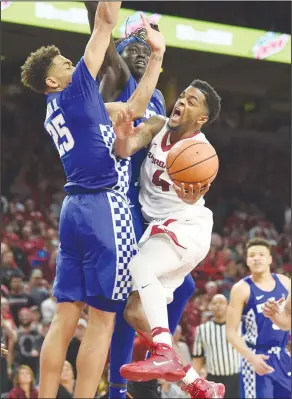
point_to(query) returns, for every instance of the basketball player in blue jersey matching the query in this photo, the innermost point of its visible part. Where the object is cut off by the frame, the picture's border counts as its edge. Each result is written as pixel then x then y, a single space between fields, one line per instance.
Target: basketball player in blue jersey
pixel 124 65
pixel 96 233
pixel 266 364
pixel 279 312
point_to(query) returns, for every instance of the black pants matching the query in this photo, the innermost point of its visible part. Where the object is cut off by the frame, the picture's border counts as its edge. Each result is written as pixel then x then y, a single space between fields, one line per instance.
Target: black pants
pixel 231 382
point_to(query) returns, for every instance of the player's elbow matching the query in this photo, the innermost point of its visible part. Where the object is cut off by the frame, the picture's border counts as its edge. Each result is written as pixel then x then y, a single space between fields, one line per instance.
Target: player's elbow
pixel 137 109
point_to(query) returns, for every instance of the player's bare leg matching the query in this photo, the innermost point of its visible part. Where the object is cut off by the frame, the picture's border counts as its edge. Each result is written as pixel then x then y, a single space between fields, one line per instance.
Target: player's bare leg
pixel 135 315
pixel 93 352
pixel 55 346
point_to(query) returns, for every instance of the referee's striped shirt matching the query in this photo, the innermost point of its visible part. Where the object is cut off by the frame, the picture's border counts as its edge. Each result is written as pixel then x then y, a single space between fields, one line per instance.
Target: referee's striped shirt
pixel 211 343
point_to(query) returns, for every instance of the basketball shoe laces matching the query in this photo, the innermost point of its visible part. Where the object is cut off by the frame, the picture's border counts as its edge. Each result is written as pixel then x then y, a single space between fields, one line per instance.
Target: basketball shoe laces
pixel 195 389
pixel 153 346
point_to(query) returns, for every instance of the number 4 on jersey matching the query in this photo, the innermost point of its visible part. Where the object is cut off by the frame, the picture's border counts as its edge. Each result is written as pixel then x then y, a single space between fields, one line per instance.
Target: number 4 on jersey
pixel 57 130
pixel 160 182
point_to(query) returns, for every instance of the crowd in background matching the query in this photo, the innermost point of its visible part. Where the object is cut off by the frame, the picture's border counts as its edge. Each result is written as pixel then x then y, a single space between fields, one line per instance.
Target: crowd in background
pixel 249 198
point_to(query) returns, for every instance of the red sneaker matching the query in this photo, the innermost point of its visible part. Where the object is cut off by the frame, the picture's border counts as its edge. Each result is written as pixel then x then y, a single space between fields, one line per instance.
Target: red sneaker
pixel 163 363
pixel 204 389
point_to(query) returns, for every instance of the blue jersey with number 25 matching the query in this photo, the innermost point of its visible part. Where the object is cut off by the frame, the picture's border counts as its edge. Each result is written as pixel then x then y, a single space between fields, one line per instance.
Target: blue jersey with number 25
pixel 82 132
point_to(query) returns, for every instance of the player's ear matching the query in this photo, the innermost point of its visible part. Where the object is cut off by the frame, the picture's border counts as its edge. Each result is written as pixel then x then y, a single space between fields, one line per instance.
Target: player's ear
pixel 203 119
pixel 51 82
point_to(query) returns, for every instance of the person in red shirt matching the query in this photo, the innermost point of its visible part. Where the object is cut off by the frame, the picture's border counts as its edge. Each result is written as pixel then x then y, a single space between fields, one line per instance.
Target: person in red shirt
pixel 23 384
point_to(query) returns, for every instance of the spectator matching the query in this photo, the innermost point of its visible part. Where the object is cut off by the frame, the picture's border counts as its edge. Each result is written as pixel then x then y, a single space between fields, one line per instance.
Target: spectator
pixel 192 318
pixel 38 290
pixel 48 306
pixel 8 338
pixel 18 299
pixel 25 352
pixel 45 325
pixel 9 267
pixel 67 382
pixel 24 385
pixel 171 390
pixel 181 347
pixel 211 290
pixel 36 317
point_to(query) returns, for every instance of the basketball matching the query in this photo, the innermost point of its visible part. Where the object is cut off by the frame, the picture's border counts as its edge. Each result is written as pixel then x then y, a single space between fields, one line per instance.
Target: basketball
pixel 191 161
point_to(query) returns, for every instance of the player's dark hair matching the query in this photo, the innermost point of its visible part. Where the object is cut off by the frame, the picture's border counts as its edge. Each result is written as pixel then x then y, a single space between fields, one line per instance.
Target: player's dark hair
pixel 213 100
pixel 34 70
pixel 258 242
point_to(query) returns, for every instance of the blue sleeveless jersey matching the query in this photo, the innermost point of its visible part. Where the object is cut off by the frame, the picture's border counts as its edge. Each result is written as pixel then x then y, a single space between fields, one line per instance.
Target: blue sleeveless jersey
pixel 155 107
pixel 82 132
pixel 259 331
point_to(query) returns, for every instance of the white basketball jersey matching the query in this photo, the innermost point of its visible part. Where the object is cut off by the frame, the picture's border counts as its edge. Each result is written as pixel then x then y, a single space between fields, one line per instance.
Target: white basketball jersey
pixel 157 196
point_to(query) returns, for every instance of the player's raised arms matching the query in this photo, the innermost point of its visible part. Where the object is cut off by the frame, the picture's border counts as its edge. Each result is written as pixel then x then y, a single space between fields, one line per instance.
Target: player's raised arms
pixel 106 18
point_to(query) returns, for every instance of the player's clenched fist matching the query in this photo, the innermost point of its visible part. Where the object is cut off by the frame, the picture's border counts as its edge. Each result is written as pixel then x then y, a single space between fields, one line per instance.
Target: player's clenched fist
pixel 192 194
pixel 273 307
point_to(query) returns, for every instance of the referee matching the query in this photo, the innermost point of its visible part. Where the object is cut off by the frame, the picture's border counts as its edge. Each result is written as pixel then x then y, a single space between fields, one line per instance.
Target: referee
pixel 212 350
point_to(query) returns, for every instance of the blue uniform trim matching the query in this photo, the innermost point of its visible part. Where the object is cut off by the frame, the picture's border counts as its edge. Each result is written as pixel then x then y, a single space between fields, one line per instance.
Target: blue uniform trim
pixel 129 40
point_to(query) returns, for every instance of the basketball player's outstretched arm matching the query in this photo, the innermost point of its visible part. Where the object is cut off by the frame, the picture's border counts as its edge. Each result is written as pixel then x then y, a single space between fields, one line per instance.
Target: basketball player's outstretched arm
pixel 106 17
pixel 114 72
pixel 279 312
pixel 140 98
pixel 238 297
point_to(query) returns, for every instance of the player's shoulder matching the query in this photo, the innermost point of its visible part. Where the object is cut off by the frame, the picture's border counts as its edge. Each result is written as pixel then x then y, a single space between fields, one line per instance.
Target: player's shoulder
pixel 241 288
pixel 201 137
pixel 159 123
pixel 286 281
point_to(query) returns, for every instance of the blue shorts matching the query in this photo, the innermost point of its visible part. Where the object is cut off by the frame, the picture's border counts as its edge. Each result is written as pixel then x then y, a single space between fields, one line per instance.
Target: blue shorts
pixel 137 217
pixel 97 241
pixel 274 385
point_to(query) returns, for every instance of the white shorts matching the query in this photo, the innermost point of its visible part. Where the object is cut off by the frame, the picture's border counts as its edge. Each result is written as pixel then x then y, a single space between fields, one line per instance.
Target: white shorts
pixel 172 248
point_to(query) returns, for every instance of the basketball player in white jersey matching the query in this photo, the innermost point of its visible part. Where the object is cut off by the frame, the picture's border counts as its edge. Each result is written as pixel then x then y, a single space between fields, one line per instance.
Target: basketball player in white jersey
pixel 178 236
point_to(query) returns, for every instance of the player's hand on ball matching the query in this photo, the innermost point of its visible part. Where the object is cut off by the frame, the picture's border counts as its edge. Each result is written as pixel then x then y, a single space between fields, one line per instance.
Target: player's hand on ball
pixel 155 38
pixel 192 194
pixel 260 366
pixel 272 307
pixel 4 351
pixel 124 127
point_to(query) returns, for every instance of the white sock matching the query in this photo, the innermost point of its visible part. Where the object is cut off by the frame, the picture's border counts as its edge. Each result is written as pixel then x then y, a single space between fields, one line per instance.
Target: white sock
pixel 191 376
pixel 153 298
pixel 163 337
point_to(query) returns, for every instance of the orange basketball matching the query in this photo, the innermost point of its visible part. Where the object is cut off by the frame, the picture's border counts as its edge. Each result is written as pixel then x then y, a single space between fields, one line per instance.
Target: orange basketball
pixel 191 161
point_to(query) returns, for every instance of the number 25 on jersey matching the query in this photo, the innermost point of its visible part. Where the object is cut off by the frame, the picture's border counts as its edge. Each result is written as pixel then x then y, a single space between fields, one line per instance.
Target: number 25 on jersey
pixel 58 130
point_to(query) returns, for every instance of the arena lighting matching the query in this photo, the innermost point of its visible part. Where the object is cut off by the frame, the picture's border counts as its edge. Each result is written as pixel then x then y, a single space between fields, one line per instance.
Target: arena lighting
pixel 179 32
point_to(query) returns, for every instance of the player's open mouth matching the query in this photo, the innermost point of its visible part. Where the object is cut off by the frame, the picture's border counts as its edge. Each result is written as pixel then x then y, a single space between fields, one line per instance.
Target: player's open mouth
pixel 176 114
pixel 141 63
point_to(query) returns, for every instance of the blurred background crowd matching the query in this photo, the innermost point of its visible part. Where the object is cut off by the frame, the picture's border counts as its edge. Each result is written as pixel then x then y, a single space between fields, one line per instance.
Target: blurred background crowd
pixel 250 198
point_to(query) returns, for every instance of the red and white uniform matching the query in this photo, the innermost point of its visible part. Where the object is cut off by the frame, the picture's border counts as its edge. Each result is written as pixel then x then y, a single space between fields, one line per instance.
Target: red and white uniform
pixel 188 227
